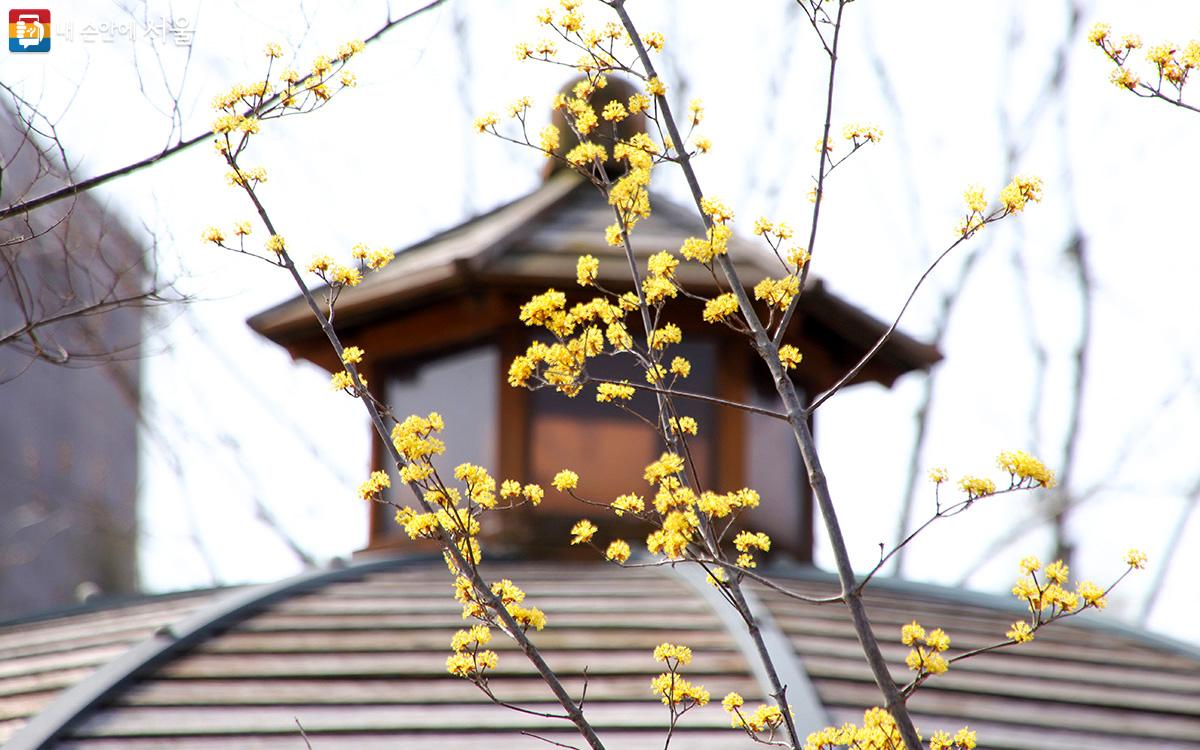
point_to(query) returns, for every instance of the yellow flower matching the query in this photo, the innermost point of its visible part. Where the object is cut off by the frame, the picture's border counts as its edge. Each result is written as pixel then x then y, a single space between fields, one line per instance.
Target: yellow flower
pixel 681 367
pixel 341 381
pixel 482 124
pixel 519 106
pixel 912 633
pixel 662 264
pixel 1092 595
pixel 213 235
pixel 720 307
pixel 618 551
pixel 661 338
pixel 685 425
pixel 778 292
pixel 376 483
pixel 276 243
pixel 614 111
pixel 653 40
pixel 548 140
pixel 666 651
pixel 716 209
pixel 630 503
pixel 732 701
pixel 865 133
pixel 790 356
pixel 939 475
pixel 534 493
pixel 746 541
pixel 346 275
pixel 977 486
pixel 1099 33
pixel 273 50
pixel 1020 632
pixel 565 480
pixel 703 144
pixel 937 640
pixel 608 392
pixel 655 87
pixel 352 355
pixel 1131 41
pixel 695 111
pixel 973 196
pixel 1057 572
pixel 1135 558
pixel 586 269
pixel 242 228
pixel 1030 564
pixel 1025 467
pixel 1017 193
pixel 583 531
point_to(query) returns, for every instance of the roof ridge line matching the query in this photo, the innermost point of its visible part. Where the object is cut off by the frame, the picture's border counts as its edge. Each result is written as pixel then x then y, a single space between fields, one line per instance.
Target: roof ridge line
pixel 802 698
pixel 72 704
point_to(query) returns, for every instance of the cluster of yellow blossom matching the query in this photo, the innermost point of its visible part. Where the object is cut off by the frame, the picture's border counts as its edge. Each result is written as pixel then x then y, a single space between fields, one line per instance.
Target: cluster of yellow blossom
pixel 1026 470
pixel 977 486
pixel 342 380
pixel 510 596
pixel 372 259
pixel 1172 63
pixel 1048 598
pixel 964 739
pixel 1020 191
pixel 684 425
pixel 715 242
pixel 675 691
pixel 745 542
pixel 860 133
pixel 256 97
pixel 248 176
pixel 765 718
pixel 565 480
pixel 468 660
pixel 561 364
pixel 1016 194
pixel 879 732
pixel 927 648
pixel 374 486
pixel 790 356
pixel 778 292
pixel 720 307
pixel 618 551
pixel 583 531
pixel 606 392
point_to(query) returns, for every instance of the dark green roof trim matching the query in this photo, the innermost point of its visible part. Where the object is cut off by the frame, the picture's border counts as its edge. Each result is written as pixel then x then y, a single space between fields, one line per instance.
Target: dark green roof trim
pixel 73 704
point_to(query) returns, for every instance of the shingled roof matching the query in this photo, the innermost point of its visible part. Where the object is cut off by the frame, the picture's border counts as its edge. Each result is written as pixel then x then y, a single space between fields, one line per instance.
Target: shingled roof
pixel 356 656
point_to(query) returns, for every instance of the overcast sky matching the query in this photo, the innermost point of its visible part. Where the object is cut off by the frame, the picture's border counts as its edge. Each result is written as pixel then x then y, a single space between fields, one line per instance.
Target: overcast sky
pixel 950 82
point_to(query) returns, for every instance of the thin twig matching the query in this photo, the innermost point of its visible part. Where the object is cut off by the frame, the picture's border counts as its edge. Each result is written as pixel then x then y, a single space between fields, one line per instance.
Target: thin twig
pixel 100 179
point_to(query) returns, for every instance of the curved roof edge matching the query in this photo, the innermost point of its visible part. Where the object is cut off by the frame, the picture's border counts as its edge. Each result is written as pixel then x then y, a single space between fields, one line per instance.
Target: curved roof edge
pixel 73 703
pixel 801 694
pixel 983 599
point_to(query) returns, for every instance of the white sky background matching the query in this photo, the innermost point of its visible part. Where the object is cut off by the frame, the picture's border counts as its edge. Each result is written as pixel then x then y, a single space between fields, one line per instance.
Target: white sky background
pixel 395 160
